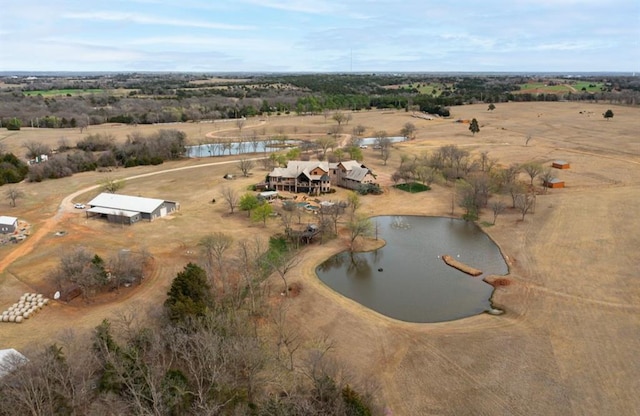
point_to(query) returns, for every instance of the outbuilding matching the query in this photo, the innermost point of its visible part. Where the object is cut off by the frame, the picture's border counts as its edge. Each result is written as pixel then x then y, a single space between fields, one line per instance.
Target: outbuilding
pixel 560 164
pixel 8 225
pixel 125 209
pixel 554 183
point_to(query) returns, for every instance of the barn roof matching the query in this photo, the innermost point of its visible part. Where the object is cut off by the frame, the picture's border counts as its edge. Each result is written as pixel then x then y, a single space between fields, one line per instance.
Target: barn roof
pixel 357 173
pixel 126 203
pixel 4 220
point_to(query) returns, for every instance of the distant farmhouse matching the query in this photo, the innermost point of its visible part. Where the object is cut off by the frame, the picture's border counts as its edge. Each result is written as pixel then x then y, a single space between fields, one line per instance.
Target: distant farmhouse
pixel 8 224
pixel 125 209
pixel 315 177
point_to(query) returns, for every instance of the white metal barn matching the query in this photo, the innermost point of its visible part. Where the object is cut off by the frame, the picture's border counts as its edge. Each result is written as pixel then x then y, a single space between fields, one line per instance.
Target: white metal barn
pixel 127 209
pixel 8 224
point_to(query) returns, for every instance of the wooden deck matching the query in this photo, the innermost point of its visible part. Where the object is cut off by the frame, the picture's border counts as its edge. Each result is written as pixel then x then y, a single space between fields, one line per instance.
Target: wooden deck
pixel 461 266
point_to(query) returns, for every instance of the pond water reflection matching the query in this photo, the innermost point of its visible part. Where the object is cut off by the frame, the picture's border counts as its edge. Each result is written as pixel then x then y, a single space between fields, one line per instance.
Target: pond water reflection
pixel 407 279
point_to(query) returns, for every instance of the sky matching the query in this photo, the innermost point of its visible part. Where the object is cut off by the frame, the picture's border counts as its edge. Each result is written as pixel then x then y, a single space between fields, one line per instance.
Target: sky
pixel 321 35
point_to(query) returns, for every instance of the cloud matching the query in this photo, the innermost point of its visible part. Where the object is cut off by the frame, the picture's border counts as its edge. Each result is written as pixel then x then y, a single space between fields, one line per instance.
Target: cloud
pixel 150 20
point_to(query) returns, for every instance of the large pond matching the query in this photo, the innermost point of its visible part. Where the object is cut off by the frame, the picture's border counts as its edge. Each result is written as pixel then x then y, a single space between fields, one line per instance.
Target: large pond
pixel 239 148
pixel 407 279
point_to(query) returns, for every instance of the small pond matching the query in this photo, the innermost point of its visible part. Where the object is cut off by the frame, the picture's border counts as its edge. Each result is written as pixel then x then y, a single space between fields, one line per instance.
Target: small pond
pixel 407 279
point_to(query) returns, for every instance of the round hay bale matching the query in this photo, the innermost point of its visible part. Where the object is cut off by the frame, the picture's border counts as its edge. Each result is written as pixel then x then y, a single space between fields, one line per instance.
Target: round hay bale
pixel 26 315
pixel 5 318
pixel 26 295
pixel 39 296
pixel 40 305
pixel 23 298
pixel 18 319
pixel 12 318
pixel 45 301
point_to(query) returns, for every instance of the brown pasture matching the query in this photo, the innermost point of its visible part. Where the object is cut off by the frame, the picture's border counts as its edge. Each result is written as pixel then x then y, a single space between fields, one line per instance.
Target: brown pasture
pixel 567 343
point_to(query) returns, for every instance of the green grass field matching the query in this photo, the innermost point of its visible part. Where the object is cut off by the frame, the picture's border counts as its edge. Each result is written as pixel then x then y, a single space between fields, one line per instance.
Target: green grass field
pixel 69 91
pixel 575 87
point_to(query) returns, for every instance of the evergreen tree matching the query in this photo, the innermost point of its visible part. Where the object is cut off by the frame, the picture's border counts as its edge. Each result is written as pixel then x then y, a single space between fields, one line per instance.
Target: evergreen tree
pixel 473 127
pixel 189 295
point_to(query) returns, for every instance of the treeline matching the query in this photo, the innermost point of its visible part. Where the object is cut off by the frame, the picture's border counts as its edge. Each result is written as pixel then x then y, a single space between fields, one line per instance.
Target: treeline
pixel 476 179
pixel 147 99
pixel 216 345
pixel 100 151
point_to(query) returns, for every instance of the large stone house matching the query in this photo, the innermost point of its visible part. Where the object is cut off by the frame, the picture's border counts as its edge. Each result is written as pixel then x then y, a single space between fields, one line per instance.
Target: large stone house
pixel 315 177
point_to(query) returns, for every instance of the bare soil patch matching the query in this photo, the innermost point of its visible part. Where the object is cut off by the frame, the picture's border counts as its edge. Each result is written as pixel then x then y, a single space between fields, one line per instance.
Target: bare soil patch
pixel 567 343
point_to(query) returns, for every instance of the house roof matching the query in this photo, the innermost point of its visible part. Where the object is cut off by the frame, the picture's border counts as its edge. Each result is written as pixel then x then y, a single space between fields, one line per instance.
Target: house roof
pixel 349 164
pixel 560 162
pixel 125 203
pixel 555 180
pixel 296 167
pixel 357 173
pixel 4 220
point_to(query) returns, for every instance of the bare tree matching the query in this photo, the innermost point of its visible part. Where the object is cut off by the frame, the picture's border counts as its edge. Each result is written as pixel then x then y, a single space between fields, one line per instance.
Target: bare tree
pixel 359 226
pixel 359 130
pixel 527 139
pixel 287 338
pixel 249 255
pixel 532 169
pixel 231 197
pixel 213 248
pixel 354 202
pixel 12 194
pixel 245 166
pixel 546 177
pixel 282 264
pixel 324 143
pixel 240 124
pixel 339 117
pixel 335 131
pixel 35 149
pixel 497 207
pixel 408 131
pixel 112 185
pixel 525 203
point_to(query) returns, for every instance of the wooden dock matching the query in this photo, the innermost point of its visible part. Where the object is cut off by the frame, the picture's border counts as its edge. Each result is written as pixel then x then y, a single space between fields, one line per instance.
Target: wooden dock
pixel 461 266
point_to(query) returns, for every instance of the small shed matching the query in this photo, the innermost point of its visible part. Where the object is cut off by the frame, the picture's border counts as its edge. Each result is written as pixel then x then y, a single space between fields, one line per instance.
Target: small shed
pixel 554 183
pixel 560 164
pixel 268 195
pixel 8 225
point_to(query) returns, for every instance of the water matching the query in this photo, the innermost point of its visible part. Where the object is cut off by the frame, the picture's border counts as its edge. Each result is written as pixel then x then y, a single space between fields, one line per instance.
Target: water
pixel 370 141
pixel 415 285
pixel 238 148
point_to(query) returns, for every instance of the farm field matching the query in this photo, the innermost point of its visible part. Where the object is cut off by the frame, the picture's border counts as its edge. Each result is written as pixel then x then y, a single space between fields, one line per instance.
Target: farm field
pixel 568 340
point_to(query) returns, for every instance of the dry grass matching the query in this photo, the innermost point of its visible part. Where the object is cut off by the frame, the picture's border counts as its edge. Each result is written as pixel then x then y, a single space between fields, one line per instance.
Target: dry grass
pixel 568 341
